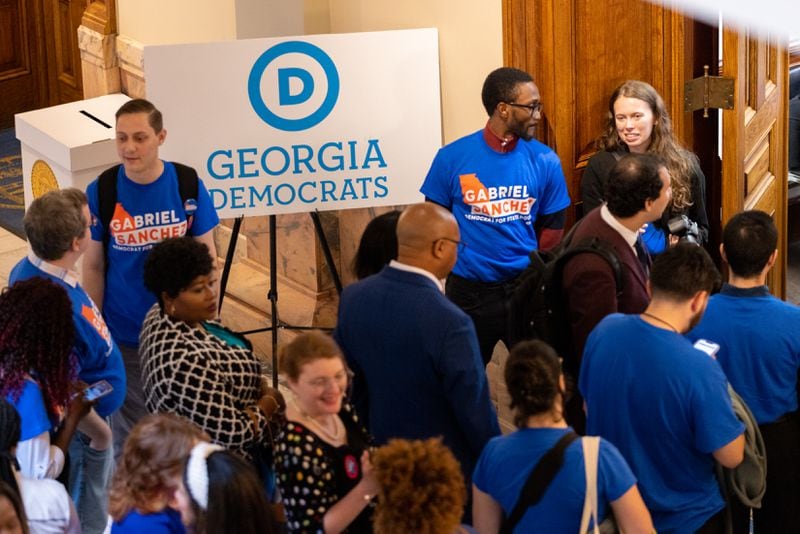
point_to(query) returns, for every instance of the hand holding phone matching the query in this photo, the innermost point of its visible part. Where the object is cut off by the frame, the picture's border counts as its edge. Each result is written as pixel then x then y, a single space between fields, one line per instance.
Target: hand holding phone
pixel 97 390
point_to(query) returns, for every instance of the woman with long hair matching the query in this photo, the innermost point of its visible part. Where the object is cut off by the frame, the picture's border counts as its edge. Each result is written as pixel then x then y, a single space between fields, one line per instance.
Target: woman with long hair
pixel 222 493
pixel 638 121
pixel 536 386
pixel 38 372
pixel 48 507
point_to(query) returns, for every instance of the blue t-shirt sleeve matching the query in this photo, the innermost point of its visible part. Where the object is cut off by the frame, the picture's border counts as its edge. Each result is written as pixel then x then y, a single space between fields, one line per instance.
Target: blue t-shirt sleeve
pixel 554 197
pixel 715 423
pixel 483 470
pixel 206 217
pixel 613 473
pixel 438 183
pixel 32 411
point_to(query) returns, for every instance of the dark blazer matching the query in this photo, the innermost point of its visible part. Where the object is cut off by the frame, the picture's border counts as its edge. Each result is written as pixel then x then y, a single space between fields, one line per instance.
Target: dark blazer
pixel 595 176
pixel 418 368
pixel 589 282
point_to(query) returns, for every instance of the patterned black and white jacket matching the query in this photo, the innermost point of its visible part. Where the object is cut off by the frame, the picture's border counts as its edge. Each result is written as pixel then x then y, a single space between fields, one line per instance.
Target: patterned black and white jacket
pixel 193 373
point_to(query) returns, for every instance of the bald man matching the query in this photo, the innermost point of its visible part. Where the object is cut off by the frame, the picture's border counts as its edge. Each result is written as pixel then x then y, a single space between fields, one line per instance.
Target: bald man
pixel 418 368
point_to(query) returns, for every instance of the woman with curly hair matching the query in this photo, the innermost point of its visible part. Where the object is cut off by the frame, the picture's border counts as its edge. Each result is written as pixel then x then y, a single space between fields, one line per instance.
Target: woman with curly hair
pixel 421 488
pixel 38 372
pixel 195 367
pixel 535 384
pixel 144 491
pixel 638 122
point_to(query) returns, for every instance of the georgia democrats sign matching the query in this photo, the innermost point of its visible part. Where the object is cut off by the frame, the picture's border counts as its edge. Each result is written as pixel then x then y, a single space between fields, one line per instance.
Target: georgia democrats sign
pixel 302 123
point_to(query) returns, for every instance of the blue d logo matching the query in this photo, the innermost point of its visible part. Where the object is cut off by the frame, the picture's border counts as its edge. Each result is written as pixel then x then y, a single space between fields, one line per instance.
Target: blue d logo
pixel 295 86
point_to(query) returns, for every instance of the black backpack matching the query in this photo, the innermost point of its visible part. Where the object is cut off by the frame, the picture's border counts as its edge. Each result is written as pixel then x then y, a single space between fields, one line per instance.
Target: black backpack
pixel 538 306
pixel 107 194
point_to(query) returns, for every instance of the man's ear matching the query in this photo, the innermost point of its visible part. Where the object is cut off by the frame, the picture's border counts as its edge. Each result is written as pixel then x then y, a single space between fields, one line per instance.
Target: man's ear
pixel 772 259
pixel 162 136
pixel 722 253
pixel 698 301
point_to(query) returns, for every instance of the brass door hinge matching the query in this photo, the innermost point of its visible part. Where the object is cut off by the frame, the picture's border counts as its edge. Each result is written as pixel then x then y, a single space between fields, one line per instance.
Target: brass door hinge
pixel 708 92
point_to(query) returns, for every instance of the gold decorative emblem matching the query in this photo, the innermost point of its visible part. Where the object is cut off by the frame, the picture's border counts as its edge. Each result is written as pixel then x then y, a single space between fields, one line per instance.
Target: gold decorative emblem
pixel 42 178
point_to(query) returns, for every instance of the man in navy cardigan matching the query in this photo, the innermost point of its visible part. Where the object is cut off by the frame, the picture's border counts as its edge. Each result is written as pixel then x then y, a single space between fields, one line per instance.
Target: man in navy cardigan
pixel 418 368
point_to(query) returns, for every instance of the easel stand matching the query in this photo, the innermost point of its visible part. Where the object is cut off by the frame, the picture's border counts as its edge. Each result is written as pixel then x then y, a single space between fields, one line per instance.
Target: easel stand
pixel 272 295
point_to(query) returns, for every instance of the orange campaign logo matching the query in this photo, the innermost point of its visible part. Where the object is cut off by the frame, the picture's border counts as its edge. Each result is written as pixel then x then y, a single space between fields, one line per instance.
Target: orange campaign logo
pixel 472 189
pixel 145 229
pixel 92 315
pixel 495 202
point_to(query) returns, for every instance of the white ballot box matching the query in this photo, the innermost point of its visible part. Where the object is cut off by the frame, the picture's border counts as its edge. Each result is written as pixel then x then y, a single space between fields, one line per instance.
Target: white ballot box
pixel 67 145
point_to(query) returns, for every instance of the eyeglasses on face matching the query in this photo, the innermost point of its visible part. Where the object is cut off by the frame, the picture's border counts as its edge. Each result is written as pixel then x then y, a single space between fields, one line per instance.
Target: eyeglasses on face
pixel 460 244
pixel 536 107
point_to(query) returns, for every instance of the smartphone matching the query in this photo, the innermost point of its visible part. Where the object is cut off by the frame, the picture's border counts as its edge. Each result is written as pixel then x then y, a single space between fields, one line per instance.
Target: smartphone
pixel 97 390
pixel 709 347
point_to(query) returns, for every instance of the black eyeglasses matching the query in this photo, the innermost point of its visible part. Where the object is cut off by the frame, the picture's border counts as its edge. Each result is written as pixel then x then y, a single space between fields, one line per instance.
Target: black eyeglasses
pixel 533 108
pixel 460 244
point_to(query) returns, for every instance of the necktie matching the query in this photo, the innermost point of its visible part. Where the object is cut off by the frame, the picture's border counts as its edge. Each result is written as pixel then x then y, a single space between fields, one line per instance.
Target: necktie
pixel 642 255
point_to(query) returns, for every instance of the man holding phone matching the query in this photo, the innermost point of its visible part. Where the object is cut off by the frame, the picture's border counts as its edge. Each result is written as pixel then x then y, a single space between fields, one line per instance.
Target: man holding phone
pixel 57 227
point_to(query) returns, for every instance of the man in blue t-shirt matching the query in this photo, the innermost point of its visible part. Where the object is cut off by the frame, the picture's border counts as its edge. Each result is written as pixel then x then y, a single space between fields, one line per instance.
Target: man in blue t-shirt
pixel 57 227
pixel 149 208
pixel 759 351
pixel 663 403
pixel 508 195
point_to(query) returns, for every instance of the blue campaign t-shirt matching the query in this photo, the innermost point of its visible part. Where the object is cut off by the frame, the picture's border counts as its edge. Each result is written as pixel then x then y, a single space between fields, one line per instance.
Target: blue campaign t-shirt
pixel 144 216
pixel 167 521
pixel 759 347
pixel 97 354
pixel 665 405
pixel 507 461
pixel 496 199
pixel 32 411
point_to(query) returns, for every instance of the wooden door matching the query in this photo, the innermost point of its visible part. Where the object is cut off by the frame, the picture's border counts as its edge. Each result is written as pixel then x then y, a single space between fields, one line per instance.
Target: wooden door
pixel 61 21
pixel 754 141
pixel 22 80
pixel 579 51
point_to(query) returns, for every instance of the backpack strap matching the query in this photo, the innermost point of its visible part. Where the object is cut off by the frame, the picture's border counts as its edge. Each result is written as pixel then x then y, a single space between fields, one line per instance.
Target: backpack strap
pixel 107 200
pixel 187 181
pixel 595 245
pixel 188 187
pixel 538 481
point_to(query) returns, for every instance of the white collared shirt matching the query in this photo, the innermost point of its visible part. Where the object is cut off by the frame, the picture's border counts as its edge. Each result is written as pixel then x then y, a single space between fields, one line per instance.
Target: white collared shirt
pixel 411 269
pixel 627 234
pixel 67 275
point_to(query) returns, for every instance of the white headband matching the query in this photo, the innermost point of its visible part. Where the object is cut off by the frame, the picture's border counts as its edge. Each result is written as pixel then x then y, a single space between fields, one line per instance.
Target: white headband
pixel 197 472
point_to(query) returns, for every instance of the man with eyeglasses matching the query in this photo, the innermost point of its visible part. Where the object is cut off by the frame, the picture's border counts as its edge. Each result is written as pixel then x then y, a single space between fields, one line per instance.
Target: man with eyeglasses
pixel 508 195
pixel 418 371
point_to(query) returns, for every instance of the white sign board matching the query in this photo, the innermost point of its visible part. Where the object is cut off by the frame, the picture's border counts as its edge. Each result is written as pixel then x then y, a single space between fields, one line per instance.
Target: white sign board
pixel 299 124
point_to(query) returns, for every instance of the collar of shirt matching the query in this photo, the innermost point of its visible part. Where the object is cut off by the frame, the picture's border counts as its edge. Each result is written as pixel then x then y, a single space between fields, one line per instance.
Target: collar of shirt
pixel 733 291
pixel 416 270
pixel 499 144
pixel 627 234
pixel 68 276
